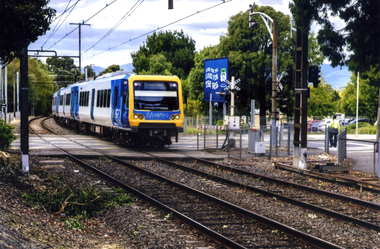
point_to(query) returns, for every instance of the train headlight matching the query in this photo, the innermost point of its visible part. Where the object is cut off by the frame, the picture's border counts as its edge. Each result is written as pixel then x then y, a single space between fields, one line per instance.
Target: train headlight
pixel 136 116
pixel 177 117
pixel 172 117
pixel 141 117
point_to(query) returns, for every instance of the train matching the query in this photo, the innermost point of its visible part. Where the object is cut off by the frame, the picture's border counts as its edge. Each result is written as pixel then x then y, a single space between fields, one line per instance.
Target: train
pixel 136 110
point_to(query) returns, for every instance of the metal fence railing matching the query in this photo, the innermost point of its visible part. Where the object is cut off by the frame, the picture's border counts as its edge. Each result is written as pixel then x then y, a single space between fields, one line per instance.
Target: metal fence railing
pixel 342 146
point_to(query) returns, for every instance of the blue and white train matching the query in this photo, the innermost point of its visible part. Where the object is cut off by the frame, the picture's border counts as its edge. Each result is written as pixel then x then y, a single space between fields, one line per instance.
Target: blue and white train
pixel 134 109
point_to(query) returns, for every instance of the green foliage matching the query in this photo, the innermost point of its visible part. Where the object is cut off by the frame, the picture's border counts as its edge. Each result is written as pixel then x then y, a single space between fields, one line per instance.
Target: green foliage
pixel 22 22
pixel 110 69
pixel 368 98
pixel 86 202
pixel 323 101
pixel 358 36
pixel 363 128
pixel 6 135
pixel 176 47
pixel 196 77
pixel 64 70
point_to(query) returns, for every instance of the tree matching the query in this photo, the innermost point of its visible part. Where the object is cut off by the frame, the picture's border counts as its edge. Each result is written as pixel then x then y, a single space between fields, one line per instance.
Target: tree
pixel 64 69
pixel 110 69
pixel 323 101
pixel 22 22
pixel 196 77
pixel 176 47
pixel 368 98
pixel 90 72
pixel 41 88
pixel 360 37
pixel 250 52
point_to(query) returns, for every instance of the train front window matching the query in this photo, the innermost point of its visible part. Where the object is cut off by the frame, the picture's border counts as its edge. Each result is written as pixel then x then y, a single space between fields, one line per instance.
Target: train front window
pixel 156 96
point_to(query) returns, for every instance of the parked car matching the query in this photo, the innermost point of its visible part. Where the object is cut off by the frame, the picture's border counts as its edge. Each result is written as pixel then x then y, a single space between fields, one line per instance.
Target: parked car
pixel 322 125
pixel 311 124
pixel 314 126
pixel 364 120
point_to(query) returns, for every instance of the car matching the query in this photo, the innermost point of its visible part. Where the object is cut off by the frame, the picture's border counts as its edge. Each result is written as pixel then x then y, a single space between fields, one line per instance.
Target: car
pixel 314 127
pixel 311 124
pixel 363 120
pixel 322 125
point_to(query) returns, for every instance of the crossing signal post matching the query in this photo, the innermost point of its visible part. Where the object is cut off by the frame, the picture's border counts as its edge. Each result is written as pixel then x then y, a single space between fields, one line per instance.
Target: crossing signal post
pixel 314 75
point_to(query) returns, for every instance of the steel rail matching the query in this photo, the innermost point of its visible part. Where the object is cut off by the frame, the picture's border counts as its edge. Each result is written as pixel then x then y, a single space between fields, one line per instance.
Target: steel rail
pixel 217 237
pixel 196 225
pixel 278 196
pixel 368 204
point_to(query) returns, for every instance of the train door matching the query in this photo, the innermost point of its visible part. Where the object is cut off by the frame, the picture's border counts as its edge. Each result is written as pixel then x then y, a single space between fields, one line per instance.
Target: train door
pixel 92 104
pixel 125 104
pixel 58 102
pixel 64 103
pixel 74 101
pixel 116 88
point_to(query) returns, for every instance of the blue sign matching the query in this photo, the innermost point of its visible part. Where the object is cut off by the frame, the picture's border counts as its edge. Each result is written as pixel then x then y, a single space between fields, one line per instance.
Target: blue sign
pixel 216 74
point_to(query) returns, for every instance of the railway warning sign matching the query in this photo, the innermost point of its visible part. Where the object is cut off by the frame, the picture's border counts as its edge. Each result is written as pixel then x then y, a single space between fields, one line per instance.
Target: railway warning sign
pixel 216 74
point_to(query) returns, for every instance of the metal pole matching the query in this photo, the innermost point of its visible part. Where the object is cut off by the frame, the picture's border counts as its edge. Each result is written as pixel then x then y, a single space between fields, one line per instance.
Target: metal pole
pixel 1 89
pixel 18 92
pixel 274 81
pixel 80 46
pixel 357 104
pixel 14 88
pixel 24 111
pixel 374 159
pixel 210 111
pixel 232 95
pixel 240 144
pixel 6 92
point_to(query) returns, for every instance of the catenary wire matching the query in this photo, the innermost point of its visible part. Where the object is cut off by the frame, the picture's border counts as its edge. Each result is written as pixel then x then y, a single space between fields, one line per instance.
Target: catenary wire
pixel 107 5
pixel 129 12
pixel 60 24
pixel 145 34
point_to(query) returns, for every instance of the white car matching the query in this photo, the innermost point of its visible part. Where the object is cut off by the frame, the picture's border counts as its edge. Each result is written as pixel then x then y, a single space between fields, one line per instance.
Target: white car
pixel 322 125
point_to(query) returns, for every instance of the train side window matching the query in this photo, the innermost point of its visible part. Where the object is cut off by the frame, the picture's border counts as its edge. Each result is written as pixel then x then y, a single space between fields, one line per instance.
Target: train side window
pixel 98 98
pixel 108 98
pixel 125 99
pixel 103 98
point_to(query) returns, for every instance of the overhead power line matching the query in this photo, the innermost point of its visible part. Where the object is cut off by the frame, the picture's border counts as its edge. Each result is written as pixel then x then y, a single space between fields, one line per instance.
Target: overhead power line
pixel 107 5
pixel 132 39
pixel 55 28
pixel 129 12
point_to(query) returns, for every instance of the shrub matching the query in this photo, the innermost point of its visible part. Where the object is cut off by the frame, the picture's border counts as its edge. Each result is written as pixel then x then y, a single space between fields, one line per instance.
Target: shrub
pixel 6 135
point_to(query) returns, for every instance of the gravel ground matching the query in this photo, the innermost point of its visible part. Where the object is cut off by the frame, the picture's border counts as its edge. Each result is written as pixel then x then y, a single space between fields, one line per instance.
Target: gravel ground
pixel 25 225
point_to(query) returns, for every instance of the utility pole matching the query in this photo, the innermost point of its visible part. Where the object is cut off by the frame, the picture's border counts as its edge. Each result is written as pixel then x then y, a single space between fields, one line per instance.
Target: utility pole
pixel 80 46
pixel 300 102
pixel 24 111
pixel 273 33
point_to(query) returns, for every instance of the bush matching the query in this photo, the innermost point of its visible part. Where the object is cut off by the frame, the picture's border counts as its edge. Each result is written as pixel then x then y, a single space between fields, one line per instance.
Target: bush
pixel 363 128
pixel 6 135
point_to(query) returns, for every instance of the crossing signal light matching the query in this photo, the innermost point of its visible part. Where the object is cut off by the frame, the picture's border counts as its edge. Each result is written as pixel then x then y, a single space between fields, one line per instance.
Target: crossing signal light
pixel 237 98
pixel 314 75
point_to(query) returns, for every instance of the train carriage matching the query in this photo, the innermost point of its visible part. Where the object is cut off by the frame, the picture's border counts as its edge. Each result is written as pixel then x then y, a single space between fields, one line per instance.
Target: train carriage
pixel 134 109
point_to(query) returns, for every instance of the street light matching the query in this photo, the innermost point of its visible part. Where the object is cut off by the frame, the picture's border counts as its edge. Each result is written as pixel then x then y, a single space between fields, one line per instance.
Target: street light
pixel 272 29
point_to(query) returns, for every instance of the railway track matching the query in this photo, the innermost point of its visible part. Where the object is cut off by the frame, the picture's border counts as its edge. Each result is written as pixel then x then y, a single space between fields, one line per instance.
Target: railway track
pixel 226 223
pixel 346 209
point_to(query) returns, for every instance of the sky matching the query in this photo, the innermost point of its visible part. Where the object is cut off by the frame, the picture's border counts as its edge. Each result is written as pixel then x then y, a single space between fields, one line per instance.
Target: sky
pixel 203 20
pixel 204 27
